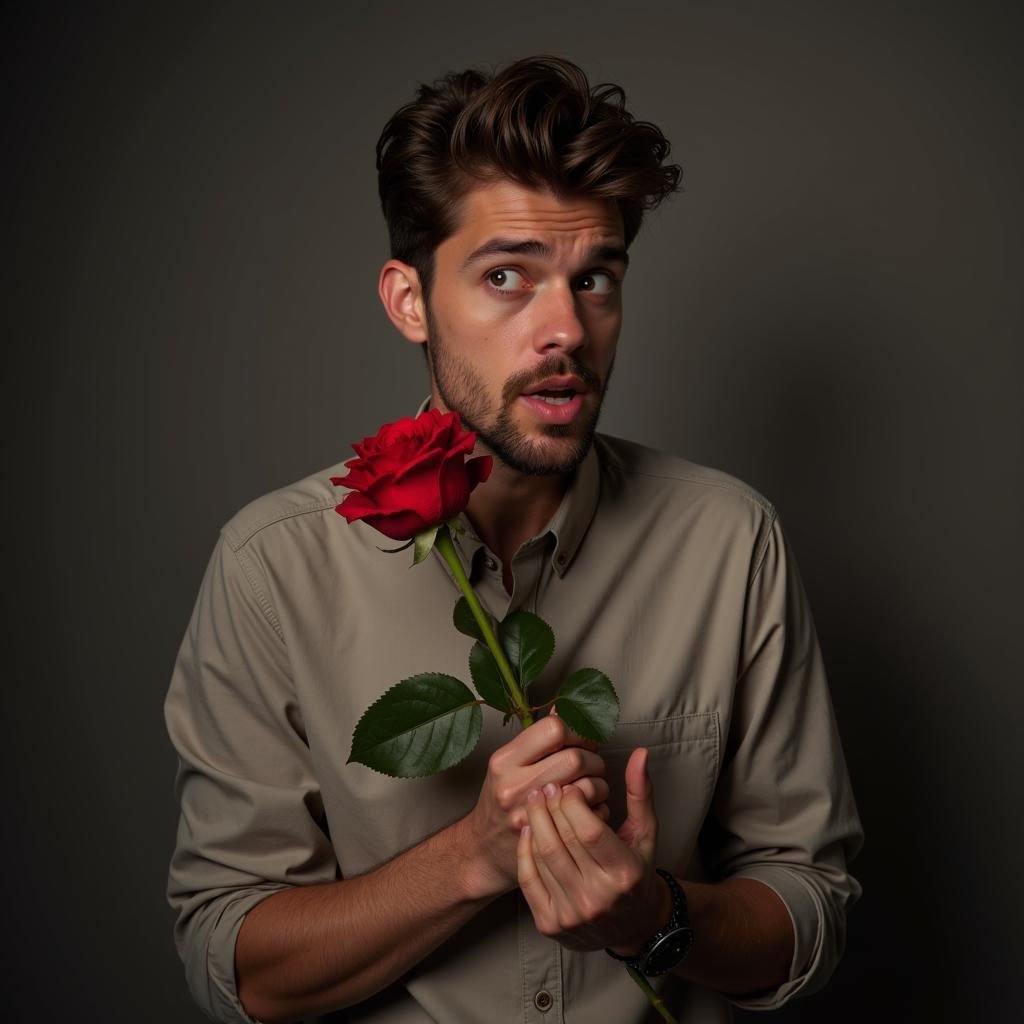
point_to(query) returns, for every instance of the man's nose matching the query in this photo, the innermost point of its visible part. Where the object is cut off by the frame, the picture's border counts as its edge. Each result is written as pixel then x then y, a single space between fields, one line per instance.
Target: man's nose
pixel 558 323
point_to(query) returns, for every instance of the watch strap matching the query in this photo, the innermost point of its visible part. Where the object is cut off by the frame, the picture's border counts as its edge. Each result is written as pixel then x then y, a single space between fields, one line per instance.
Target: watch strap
pixel 678 920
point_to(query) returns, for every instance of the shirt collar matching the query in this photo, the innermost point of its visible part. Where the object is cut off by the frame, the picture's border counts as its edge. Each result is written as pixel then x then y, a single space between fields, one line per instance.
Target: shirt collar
pixel 572 517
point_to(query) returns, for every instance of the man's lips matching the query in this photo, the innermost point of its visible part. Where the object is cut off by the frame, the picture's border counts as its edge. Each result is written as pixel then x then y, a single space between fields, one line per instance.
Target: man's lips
pixel 549 412
pixel 557 384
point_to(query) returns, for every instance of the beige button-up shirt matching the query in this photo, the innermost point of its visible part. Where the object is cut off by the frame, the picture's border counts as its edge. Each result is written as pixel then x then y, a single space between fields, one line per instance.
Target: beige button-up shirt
pixel 673 579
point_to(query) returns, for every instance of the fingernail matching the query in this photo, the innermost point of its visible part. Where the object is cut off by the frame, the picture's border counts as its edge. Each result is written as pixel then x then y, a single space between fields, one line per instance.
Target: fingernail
pixel 525 832
pixel 534 794
pixel 550 789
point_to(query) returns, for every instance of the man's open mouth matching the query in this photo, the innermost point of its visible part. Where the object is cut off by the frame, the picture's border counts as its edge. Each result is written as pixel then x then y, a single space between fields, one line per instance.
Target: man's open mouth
pixel 556 389
pixel 552 397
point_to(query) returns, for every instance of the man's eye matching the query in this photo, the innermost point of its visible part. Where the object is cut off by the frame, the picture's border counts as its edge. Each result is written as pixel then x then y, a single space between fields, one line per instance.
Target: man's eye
pixel 599 282
pixel 505 279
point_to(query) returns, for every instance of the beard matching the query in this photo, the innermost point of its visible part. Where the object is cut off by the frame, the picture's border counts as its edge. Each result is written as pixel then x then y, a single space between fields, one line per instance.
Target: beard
pixel 463 391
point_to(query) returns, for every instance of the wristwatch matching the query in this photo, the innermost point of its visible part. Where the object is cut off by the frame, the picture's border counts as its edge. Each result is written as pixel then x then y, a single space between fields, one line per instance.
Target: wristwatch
pixel 669 947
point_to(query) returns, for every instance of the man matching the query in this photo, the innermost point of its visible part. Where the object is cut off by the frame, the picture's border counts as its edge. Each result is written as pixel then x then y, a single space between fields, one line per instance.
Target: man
pixel 491 891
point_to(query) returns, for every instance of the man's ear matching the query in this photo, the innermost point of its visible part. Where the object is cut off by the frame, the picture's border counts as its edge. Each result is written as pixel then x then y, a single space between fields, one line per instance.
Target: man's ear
pixel 400 291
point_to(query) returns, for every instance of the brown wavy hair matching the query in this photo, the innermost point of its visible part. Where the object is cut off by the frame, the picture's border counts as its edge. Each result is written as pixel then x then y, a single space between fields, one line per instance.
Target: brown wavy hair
pixel 539 123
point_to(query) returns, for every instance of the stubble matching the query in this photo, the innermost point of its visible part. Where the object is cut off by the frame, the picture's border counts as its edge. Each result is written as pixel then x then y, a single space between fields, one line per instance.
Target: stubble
pixel 465 392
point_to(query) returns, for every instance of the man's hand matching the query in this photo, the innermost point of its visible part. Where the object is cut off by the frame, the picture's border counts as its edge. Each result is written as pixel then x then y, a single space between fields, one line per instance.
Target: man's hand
pixel 590 887
pixel 544 753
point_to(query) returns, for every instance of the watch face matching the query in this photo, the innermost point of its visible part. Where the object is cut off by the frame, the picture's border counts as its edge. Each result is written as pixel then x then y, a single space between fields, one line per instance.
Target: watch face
pixel 670 951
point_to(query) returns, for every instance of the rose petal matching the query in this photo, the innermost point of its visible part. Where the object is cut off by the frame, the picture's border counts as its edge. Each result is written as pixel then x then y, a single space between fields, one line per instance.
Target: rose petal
pixel 403 428
pixel 420 492
pixel 463 443
pixel 399 525
pixel 479 469
pixel 361 475
pixel 424 462
pixel 356 506
pixel 454 486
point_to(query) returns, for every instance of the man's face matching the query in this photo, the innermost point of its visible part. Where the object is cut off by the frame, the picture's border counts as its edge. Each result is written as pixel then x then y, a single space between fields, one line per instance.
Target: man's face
pixel 528 288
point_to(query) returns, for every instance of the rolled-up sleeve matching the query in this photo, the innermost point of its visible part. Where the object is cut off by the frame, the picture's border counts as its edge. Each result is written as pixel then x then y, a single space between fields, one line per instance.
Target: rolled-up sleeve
pixel 784 811
pixel 251 819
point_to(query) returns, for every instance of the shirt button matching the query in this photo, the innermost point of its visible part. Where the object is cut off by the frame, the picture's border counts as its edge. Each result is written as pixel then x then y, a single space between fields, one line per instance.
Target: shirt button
pixel 542 1000
pixel 491 564
pixel 561 558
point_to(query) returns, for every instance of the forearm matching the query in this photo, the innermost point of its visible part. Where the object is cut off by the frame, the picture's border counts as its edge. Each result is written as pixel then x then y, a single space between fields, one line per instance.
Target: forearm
pixel 743 936
pixel 314 949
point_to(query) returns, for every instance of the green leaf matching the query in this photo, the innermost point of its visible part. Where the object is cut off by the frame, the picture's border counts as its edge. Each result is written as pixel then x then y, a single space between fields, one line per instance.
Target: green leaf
pixel 421 726
pixel 528 642
pixel 588 705
pixel 487 677
pixel 465 621
pixel 424 543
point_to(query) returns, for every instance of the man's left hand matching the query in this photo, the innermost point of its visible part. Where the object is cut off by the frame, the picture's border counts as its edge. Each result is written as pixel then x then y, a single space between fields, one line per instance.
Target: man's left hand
pixel 590 887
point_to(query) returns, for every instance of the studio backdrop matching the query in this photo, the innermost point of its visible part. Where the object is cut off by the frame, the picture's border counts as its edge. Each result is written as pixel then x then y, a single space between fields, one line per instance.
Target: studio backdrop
pixel 830 310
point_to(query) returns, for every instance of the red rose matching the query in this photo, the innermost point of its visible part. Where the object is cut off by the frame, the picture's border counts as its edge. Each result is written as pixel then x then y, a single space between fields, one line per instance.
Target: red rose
pixel 412 475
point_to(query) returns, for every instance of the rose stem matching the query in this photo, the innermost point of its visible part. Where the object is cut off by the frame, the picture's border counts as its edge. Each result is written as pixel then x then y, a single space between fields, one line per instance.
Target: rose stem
pixel 653 998
pixel 443 543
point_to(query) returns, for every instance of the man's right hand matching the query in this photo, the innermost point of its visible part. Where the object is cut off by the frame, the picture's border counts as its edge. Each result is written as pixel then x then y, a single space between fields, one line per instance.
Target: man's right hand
pixel 357 935
pixel 546 751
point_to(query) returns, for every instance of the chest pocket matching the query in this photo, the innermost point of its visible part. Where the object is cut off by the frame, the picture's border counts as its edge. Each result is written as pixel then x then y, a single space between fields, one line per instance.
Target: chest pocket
pixel 683 760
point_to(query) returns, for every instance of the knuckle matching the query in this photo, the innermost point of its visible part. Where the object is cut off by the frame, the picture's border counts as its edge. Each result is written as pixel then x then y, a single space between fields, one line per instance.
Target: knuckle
pixel 505 796
pixel 547 849
pixel 580 791
pixel 625 879
pixel 571 841
pixel 590 911
pixel 567 922
pixel 590 834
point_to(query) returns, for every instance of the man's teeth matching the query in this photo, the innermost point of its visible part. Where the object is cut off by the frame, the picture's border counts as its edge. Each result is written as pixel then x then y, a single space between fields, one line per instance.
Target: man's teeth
pixel 555 397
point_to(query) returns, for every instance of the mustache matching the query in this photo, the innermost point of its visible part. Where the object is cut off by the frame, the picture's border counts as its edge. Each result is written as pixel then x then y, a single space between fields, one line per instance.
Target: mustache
pixel 561 368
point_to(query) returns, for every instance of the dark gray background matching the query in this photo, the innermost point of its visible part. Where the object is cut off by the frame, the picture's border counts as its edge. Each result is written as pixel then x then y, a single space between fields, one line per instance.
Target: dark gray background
pixel 831 311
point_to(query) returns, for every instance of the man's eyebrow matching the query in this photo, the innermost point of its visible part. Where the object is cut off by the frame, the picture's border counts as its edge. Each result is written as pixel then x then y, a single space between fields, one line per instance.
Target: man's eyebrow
pixel 535 247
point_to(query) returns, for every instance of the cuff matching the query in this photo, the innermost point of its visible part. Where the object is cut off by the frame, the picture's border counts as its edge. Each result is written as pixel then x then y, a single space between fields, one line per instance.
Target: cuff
pixel 218 966
pixel 807 915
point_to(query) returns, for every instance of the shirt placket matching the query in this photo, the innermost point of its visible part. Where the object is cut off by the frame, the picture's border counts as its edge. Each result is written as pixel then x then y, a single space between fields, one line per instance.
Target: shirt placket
pixel 540 961
pixel 540 958
pixel 527 566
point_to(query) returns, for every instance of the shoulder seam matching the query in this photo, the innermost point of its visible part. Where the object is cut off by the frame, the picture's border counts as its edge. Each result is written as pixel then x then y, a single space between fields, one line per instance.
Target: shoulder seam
pixel 744 492
pixel 237 541
pixel 261 598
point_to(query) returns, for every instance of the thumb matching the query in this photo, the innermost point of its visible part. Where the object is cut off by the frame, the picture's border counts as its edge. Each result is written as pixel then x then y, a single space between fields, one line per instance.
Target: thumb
pixel 574 739
pixel 640 829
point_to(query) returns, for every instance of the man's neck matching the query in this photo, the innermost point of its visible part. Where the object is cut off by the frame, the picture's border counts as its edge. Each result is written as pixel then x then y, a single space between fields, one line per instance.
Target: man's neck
pixel 513 507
